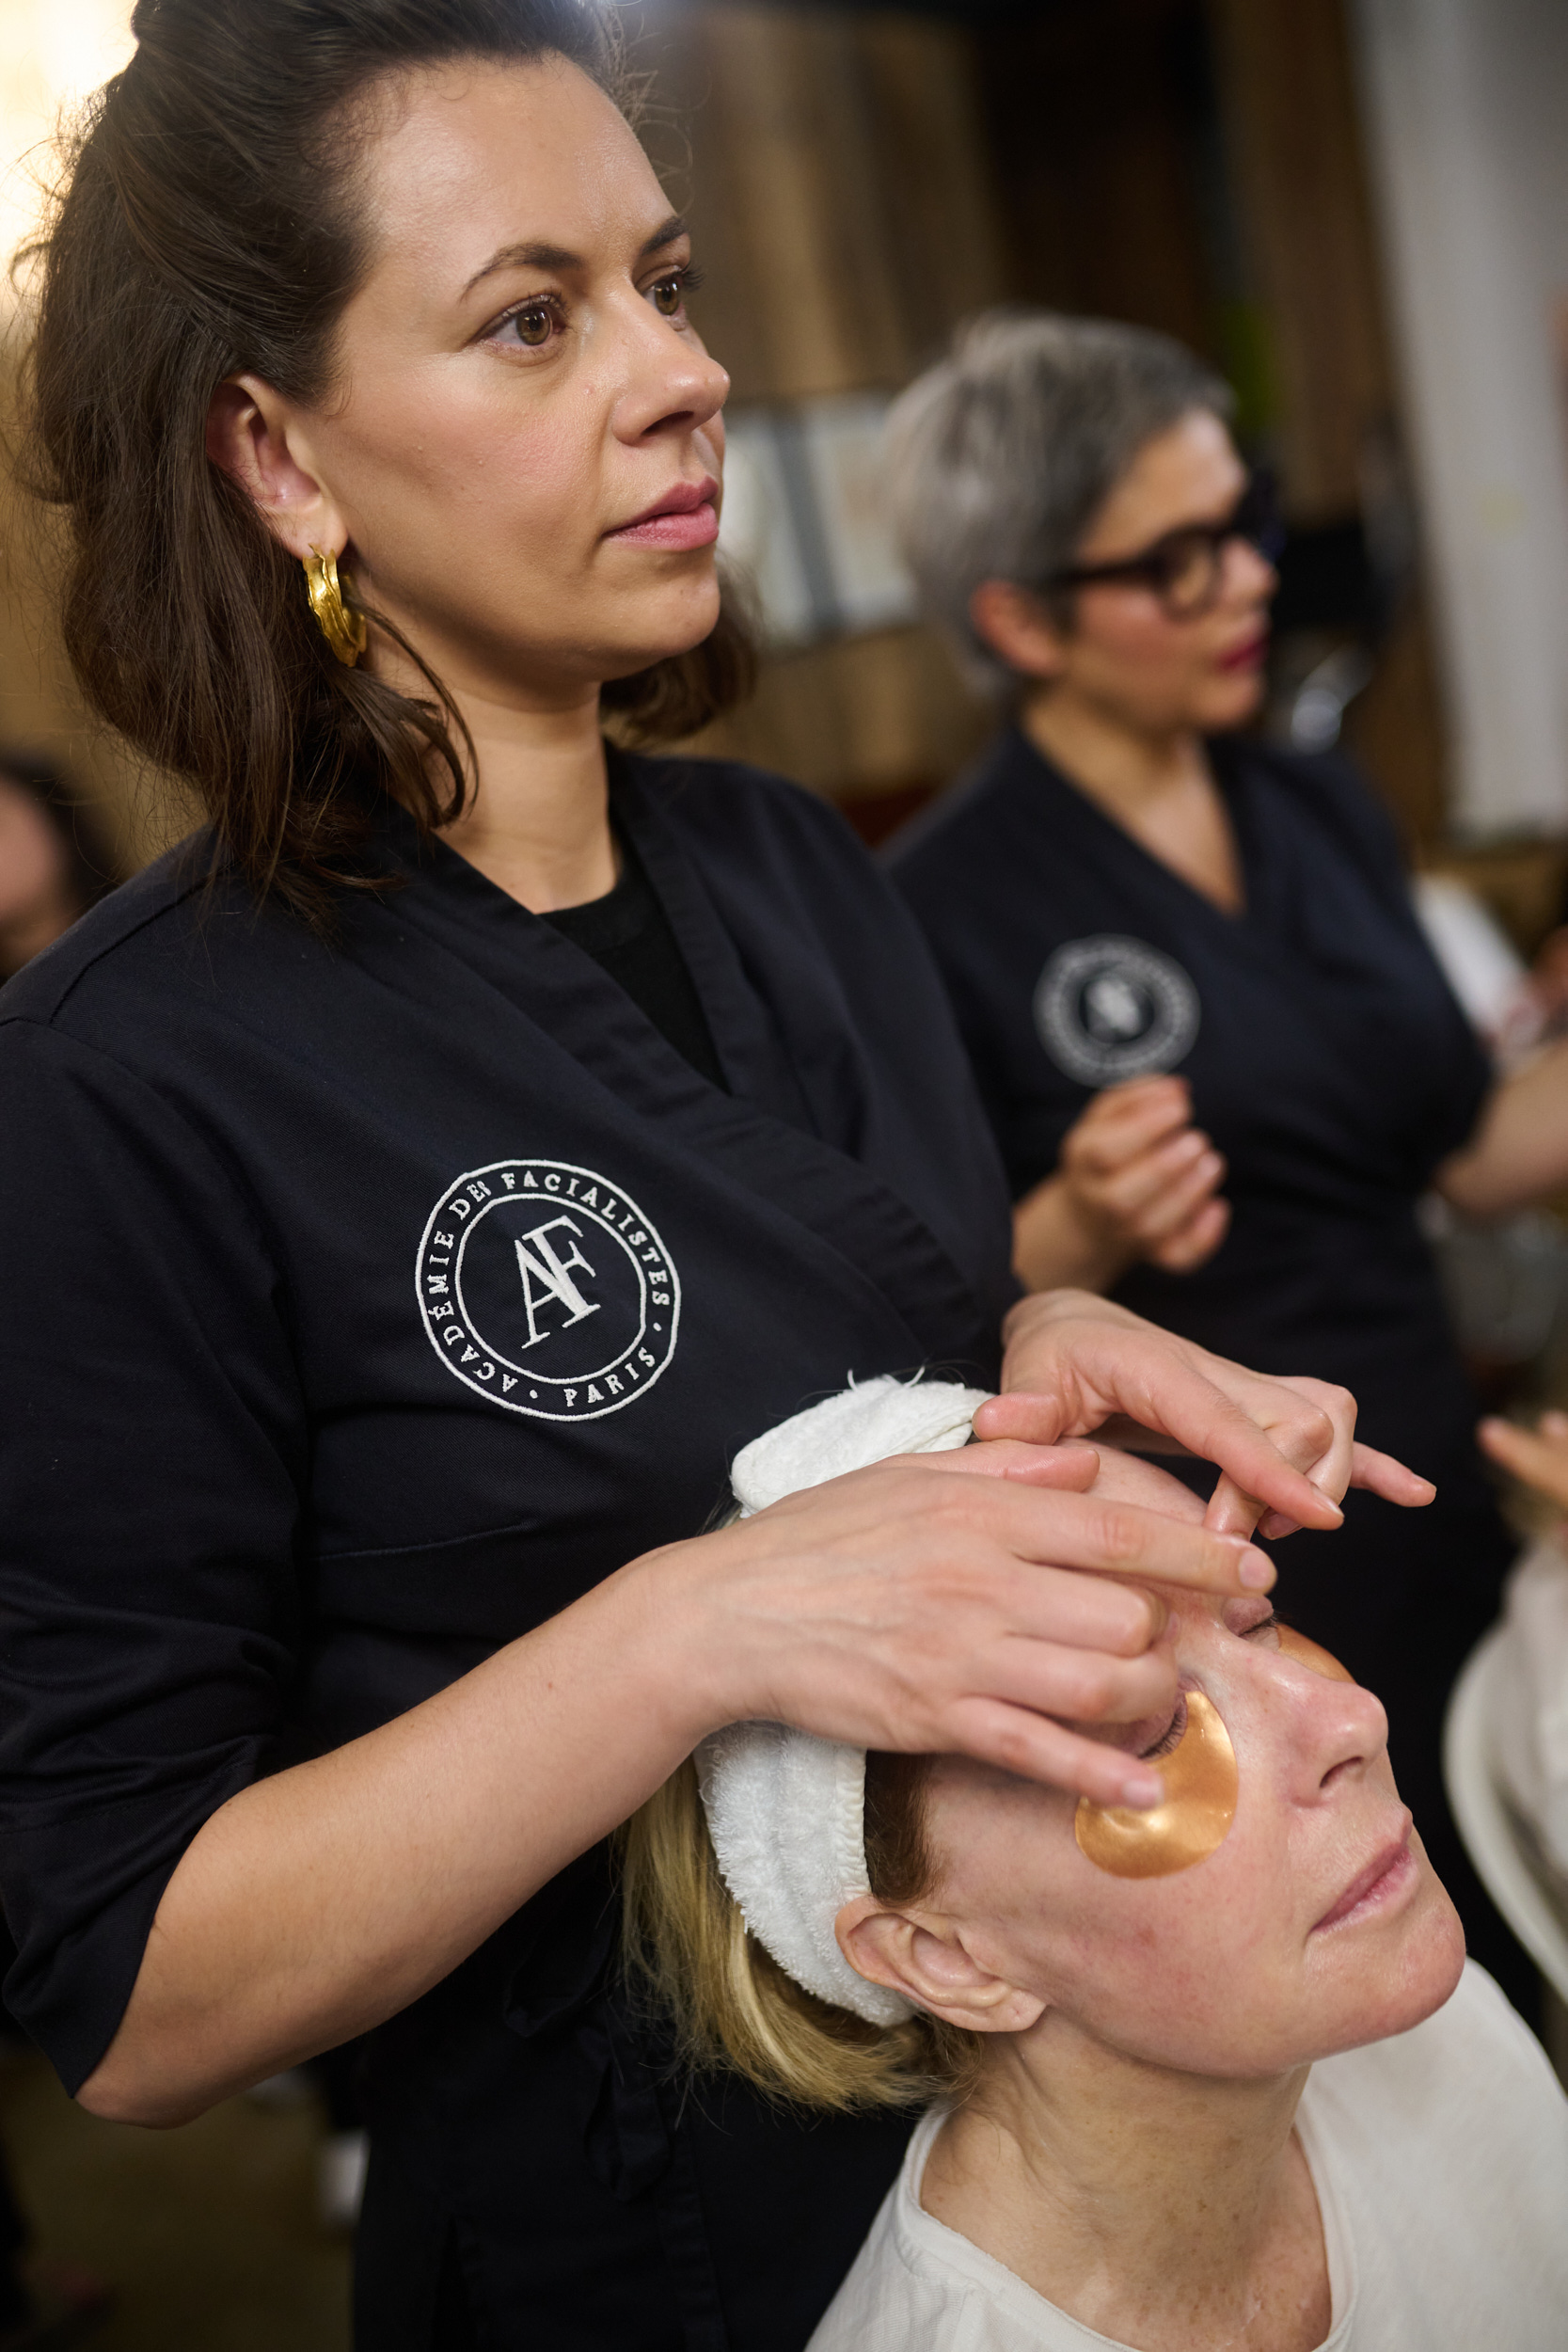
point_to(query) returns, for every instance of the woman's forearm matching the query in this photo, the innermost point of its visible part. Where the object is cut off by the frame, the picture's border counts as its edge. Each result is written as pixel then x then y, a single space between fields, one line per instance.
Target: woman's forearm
pixel 1055 1246
pixel 319 1901
pixel 1519 1151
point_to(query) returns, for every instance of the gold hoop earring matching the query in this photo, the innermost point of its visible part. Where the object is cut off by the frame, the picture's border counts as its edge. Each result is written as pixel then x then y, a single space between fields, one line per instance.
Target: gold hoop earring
pixel 344 630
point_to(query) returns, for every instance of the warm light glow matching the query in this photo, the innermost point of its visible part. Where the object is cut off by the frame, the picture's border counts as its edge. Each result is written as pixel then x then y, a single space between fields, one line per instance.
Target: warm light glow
pixel 53 53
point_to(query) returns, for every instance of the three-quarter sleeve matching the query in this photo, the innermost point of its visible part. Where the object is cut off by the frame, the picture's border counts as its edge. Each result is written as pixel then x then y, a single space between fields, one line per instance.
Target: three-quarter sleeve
pixel 152 1459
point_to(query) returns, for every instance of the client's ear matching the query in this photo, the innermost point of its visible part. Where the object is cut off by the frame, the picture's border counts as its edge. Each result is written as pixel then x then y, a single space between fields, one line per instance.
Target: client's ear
pixel 925 1959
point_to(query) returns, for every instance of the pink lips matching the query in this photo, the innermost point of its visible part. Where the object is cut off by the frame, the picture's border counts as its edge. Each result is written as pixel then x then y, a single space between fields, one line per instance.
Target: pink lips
pixel 685 516
pixel 1247 657
pixel 1388 1876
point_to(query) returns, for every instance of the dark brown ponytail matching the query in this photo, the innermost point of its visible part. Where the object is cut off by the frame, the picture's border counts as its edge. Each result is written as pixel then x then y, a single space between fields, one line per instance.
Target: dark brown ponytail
pixel 206 228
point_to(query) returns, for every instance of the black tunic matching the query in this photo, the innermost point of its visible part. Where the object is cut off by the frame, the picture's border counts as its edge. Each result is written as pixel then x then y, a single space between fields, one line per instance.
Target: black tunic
pixel 370 1302
pixel 1332 1066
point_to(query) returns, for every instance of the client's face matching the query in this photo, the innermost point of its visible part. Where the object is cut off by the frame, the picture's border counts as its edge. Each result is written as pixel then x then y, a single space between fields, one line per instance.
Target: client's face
pixel 1316 1923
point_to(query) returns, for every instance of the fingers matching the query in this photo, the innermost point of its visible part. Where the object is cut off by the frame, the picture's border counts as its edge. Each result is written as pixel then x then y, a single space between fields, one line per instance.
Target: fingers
pixel 1072 1467
pixel 1232 1511
pixel 1376 1474
pixel 1071 1363
pixel 1380 1474
pixel 1125 1121
pixel 1138 1192
pixel 1096 1632
pixel 1125 1477
pixel 1015 1740
pixel 1194 1242
pixel 1115 1539
pixel 1144 1174
pixel 1253 1458
pixel 1539 1458
pixel 1142 1523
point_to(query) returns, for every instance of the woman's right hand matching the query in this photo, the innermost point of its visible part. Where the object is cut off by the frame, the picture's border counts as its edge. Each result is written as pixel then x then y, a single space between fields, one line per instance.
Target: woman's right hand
pixel 935 1603
pixel 1135 1180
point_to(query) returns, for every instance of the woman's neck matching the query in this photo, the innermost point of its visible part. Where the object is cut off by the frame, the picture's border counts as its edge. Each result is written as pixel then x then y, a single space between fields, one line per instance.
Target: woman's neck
pixel 1159 2208
pixel 538 824
pixel 1156 786
pixel 536 821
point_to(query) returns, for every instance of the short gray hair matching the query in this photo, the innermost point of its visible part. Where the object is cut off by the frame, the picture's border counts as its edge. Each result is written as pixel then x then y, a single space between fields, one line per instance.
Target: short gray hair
pixel 1000 456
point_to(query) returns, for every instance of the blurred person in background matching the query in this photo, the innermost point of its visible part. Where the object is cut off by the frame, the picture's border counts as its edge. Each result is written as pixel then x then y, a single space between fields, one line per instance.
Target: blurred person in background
pixel 54 858
pixel 1217 1053
pixel 1528 1730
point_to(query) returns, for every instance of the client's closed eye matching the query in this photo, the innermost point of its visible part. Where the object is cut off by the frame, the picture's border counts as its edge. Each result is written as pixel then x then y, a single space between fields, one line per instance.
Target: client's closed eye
pixel 1171 1736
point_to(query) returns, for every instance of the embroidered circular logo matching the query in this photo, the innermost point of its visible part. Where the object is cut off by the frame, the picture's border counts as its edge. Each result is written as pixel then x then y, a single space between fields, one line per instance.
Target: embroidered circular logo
pixel 546 1289
pixel 1108 1009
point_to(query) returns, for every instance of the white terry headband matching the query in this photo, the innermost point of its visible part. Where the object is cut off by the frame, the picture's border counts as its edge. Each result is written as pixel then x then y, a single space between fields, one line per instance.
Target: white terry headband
pixel 787 1810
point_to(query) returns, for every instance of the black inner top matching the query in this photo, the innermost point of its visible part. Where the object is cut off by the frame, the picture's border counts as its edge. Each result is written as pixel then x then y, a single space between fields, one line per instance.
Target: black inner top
pixel 627 933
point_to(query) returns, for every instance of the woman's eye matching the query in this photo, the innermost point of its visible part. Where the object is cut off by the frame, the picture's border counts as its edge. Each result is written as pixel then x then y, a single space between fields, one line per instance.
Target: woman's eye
pixel 533 324
pixel 1170 1736
pixel 668 294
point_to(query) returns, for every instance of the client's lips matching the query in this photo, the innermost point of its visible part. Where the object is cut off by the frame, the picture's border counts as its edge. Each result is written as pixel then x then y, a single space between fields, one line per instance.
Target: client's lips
pixel 685 516
pixel 1388 1876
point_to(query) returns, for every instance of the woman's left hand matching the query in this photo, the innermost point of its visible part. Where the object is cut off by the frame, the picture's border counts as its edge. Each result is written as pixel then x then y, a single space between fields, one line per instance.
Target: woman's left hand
pixel 1286 1447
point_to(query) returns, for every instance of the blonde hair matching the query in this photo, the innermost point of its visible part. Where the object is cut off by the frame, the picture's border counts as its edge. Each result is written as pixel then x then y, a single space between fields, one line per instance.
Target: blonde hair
pixel 733 2007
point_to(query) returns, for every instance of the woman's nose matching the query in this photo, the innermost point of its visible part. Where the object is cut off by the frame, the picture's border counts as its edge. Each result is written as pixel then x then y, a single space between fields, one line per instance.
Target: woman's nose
pixel 672 383
pixel 1249 577
pixel 1339 1729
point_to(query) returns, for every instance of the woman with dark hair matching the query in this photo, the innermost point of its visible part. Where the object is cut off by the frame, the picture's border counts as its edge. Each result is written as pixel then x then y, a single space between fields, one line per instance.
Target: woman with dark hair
pixel 445 1163
pixel 1217 1053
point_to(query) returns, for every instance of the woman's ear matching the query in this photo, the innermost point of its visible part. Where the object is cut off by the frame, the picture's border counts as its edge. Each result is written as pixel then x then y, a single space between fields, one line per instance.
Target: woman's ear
pixel 261 443
pixel 925 1959
pixel 1016 627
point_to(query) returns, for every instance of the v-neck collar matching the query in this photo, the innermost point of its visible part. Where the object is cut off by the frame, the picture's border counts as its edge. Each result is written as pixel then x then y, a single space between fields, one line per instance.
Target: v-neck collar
pixel 591 1015
pixel 764 1133
pixel 1114 836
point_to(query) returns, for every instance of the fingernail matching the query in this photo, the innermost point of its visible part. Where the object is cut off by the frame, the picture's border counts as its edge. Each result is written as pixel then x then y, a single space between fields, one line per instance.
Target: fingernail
pixel 1257 1571
pixel 1143 1792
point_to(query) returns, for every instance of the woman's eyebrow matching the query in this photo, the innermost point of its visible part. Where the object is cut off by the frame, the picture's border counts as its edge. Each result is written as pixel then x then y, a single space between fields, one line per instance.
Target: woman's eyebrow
pixel 533 255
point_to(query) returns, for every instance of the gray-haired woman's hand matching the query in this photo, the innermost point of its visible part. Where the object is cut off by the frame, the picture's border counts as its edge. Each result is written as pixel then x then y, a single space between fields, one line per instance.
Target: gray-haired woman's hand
pixel 939 1602
pixel 1134 1180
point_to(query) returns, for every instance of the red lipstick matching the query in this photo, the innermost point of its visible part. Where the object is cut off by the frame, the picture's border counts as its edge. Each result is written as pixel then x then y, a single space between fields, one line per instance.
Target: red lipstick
pixel 1247 657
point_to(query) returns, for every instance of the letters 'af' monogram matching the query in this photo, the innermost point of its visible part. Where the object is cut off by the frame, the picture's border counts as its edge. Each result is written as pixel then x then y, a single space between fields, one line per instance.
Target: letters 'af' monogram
pixel 553 1275
pixel 547 1290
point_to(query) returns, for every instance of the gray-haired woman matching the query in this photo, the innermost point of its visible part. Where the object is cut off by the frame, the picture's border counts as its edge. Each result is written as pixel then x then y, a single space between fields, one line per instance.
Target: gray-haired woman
pixel 1185 961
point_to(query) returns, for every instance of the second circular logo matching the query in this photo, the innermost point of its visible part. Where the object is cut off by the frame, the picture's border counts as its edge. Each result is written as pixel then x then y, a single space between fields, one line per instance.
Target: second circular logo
pixel 1109 1008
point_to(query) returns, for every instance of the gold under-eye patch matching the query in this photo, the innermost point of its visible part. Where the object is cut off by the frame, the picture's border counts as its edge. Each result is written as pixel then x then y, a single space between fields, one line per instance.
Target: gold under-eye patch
pixel 1189 1822
pixel 1308 1654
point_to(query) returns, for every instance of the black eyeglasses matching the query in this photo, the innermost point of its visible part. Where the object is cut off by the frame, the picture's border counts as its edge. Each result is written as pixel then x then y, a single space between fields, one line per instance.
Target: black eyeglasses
pixel 1185 568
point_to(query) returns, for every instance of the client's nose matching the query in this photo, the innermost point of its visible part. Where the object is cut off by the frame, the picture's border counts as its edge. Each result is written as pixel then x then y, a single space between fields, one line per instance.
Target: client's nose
pixel 1340 1727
